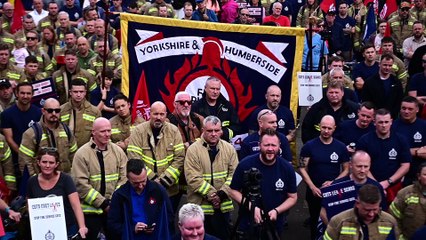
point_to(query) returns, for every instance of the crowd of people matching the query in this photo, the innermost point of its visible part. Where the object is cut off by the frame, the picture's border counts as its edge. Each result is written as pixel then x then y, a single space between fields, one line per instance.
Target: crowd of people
pixel 124 178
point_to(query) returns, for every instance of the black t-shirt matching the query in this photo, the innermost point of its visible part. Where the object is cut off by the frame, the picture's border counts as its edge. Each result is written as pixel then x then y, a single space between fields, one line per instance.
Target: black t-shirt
pixel 64 187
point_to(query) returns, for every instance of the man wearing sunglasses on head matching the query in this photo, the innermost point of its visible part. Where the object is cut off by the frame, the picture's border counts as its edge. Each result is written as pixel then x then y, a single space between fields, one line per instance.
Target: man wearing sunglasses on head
pixel 401 26
pixel 48 132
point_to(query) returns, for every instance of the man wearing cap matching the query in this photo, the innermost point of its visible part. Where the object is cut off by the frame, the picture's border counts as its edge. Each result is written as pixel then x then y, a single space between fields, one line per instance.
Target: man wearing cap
pixel 203 14
pixel 7 98
pixel 335 40
pixel 401 26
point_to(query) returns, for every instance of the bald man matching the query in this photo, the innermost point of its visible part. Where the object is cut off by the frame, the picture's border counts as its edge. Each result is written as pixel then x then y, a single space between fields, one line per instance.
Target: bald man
pixel 322 160
pixel 285 118
pixel 48 132
pixel 84 53
pixel 159 144
pixel 98 169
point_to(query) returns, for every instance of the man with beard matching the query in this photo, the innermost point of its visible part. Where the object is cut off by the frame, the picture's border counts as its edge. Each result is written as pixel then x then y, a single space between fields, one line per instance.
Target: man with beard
pixel 17 119
pixel 322 160
pixel 48 132
pixel 285 119
pixel 51 18
pixel 401 25
pixel 413 129
pixel 277 187
pixel 122 123
pixel 266 120
pixel 209 166
pixel 159 144
pixel 410 44
pixel 7 98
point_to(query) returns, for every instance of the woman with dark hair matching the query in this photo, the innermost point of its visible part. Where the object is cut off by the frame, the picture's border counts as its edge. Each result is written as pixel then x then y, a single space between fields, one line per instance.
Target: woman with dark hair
pixel 310 9
pixel 51 182
pixel 49 42
pixel 258 4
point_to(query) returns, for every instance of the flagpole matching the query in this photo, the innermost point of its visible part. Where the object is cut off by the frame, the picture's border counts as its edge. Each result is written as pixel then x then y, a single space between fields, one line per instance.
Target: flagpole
pixel 105 44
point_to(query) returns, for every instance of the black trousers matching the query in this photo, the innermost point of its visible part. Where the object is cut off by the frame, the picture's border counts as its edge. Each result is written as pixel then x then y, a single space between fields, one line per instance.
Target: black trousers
pixel 217 224
pixel 95 223
pixel 314 204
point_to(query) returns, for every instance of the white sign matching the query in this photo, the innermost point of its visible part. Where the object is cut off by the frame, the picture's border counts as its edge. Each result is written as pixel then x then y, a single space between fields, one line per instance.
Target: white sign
pixel 47 218
pixel 310 88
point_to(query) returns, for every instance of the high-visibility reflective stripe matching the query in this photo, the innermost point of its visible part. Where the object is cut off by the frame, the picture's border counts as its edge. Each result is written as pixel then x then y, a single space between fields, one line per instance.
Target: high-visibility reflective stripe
pixel 65 117
pixel 135 149
pixel 89 209
pixel 13 75
pixel 91 72
pixel 8 40
pixel 317 127
pixel 204 189
pixel 73 148
pixel 6 154
pixel 108 177
pixel 412 199
pixel 225 123
pixel 59 79
pixel 228 181
pixel 384 230
pixel 230 133
pixel 1 144
pixel 216 175
pixel 148 171
pixel 10 178
pixel 395 210
pixel 207 209
pixel 88 117
pixel 63 134
pixel 26 151
pixel 115 131
pixel 44 136
pixel 93 87
pixel 91 196
pixel 226 206
pixel 326 236
pixel 348 231
pixel 174 172
pixel 179 147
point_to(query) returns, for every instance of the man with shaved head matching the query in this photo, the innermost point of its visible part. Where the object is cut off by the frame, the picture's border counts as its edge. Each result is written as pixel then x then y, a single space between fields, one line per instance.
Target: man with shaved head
pixel 84 53
pixel 322 160
pixel 284 116
pixel 159 144
pixel 98 169
pixel 48 132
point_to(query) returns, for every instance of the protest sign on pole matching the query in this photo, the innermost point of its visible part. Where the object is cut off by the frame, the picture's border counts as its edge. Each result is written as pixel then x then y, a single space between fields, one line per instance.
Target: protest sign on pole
pixel 310 88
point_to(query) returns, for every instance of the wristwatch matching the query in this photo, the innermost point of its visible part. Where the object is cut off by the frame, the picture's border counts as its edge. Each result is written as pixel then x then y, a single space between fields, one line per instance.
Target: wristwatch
pixel 390 181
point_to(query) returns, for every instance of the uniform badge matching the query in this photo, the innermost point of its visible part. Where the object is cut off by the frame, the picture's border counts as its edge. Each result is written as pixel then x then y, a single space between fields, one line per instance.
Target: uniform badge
pixel 224 109
pixel 152 201
pixel 351 116
pixel 279 185
pixel 334 157
pixel 286 8
pixel 393 153
pixel 281 123
pixel 417 137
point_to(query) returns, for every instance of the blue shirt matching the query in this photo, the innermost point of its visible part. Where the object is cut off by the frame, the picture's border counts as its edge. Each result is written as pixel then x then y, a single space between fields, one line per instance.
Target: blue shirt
pixel 325 159
pixel 418 83
pixel 74 12
pixel 277 181
pixel 250 145
pixel 348 132
pixel 319 48
pixel 138 203
pixel 386 154
pixel 96 96
pixel 346 22
pixel 198 16
pixel 19 121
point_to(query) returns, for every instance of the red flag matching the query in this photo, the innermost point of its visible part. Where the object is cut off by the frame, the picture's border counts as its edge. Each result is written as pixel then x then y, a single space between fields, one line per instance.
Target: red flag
pixel 366 2
pixel 389 7
pixel 387 31
pixel 141 104
pixel 18 14
pixel 327 5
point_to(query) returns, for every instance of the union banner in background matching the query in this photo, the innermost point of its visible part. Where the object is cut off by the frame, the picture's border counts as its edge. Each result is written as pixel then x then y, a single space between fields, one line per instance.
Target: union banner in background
pixel 164 56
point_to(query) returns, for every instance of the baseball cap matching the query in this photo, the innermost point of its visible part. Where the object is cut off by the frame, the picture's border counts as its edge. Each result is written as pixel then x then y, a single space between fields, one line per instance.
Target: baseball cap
pixel 199 1
pixel 4 83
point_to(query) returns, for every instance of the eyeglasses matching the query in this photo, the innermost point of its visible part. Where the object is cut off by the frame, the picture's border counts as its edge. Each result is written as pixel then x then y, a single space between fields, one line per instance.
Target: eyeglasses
pixel 51 110
pixel 182 102
pixel 405 9
pixel 31 38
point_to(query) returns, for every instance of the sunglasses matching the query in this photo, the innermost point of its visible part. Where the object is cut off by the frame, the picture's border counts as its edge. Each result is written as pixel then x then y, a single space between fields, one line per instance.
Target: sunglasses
pixel 405 9
pixel 182 102
pixel 47 150
pixel 245 14
pixel 31 38
pixel 263 114
pixel 51 110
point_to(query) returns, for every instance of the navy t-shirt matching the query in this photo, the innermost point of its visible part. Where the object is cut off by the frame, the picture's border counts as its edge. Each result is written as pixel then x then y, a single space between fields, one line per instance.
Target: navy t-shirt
pixel 325 159
pixel 75 12
pixel 346 22
pixel 418 83
pixel 386 154
pixel 96 97
pixel 277 181
pixel 250 145
pixel 19 121
pixel 349 132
